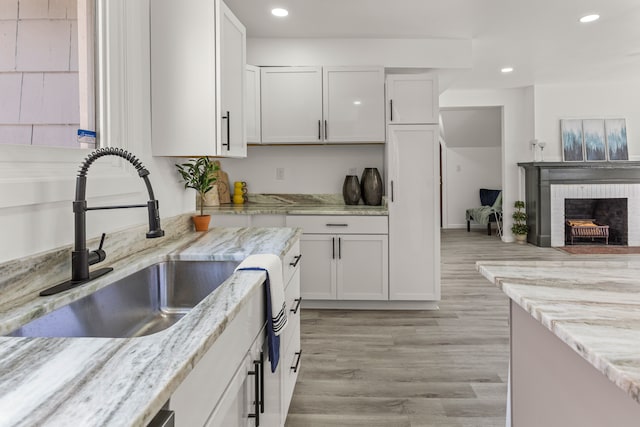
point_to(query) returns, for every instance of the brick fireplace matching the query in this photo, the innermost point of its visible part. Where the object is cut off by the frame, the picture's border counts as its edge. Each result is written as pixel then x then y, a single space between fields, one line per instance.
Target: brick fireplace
pixel 596 185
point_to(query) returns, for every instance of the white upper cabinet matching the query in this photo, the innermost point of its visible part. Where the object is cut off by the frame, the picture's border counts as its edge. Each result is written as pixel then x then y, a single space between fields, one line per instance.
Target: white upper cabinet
pixel 312 105
pixel 198 58
pixel 233 61
pixel 291 99
pixel 353 104
pixel 412 99
pixel 252 105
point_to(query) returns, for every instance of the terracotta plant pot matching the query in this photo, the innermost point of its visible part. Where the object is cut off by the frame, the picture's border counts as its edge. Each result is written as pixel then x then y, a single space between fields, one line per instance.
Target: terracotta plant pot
pixel 201 222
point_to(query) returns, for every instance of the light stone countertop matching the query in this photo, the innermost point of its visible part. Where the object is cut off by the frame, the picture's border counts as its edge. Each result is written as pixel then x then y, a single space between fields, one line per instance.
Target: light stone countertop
pixel 113 381
pixel 296 204
pixel 592 306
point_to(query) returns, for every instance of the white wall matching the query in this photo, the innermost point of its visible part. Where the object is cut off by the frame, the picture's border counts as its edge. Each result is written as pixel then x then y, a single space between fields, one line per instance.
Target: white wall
pixel 598 100
pixel 468 170
pixel 308 169
pixel 517 122
pixel 37 184
pixel 419 53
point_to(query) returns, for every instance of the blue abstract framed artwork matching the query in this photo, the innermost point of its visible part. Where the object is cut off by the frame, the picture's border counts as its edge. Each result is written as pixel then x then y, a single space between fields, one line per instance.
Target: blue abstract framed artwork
pixel 595 149
pixel 571 130
pixel 616 130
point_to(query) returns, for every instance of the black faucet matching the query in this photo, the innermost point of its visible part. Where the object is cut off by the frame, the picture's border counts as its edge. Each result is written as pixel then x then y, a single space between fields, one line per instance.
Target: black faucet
pixel 81 258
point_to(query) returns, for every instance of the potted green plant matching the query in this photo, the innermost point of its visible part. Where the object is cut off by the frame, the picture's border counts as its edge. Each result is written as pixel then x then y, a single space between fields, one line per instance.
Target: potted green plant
pixel 519 227
pixel 199 174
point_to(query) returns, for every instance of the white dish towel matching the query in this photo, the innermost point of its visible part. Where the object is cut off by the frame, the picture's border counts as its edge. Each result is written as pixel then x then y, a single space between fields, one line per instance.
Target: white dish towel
pixel 273 266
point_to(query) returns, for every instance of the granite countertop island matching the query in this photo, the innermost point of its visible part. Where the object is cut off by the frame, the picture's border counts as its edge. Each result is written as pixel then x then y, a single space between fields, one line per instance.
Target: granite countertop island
pixel 591 306
pixel 296 204
pixel 117 381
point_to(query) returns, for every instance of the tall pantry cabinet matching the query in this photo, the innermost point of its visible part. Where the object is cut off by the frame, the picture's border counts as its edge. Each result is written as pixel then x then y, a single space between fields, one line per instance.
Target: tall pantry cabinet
pixel 413 186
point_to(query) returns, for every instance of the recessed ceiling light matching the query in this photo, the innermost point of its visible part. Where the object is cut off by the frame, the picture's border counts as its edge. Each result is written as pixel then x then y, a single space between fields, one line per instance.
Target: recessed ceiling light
pixel 357 102
pixel 279 12
pixel 506 70
pixel 589 18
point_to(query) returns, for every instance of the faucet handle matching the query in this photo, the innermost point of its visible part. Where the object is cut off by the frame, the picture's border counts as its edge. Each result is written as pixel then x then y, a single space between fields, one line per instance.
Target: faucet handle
pixel 98 255
pixel 102 241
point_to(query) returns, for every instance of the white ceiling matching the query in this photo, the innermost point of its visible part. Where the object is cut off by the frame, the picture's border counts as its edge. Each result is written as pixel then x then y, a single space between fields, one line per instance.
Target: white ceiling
pixel 541 39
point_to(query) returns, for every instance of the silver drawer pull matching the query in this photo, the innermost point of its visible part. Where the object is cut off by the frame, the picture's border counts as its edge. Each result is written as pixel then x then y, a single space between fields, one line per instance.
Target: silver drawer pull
pixel 337 225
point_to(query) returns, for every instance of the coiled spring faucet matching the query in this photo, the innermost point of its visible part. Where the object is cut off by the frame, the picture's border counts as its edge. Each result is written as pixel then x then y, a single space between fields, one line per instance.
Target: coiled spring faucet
pixel 81 258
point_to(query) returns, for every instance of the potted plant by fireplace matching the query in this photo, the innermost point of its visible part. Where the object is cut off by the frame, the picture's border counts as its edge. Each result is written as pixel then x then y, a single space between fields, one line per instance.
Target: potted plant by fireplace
pixel 519 227
pixel 199 174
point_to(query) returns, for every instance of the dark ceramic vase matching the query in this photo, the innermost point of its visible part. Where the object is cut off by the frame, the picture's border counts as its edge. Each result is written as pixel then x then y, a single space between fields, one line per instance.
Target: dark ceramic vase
pixel 371 184
pixel 351 190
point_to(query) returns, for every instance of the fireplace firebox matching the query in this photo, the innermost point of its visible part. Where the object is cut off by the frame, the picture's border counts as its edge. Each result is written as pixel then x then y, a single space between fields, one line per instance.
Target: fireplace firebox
pixel 609 219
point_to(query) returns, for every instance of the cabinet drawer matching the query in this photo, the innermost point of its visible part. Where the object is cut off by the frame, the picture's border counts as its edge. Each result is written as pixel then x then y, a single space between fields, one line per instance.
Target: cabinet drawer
pixel 339 224
pixel 292 296
pixel 291 263
pixel 292 361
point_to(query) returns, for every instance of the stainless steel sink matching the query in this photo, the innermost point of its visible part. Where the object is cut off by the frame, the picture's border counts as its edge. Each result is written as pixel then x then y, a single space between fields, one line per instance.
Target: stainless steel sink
pixel 144 303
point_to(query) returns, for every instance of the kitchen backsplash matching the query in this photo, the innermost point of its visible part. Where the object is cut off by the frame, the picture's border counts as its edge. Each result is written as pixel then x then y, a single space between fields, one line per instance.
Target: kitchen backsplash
pixel 303 169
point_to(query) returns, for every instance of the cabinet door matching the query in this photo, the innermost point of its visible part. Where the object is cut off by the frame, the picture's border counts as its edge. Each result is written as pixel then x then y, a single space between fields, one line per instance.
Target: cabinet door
pixel 318 277
pixel 362 267
pixel 412 99
pixel 414 215
pixel 232 84
pixel 237 402
pixel 252 104
pixel 291 104
pixel 183 82
pixel 353 104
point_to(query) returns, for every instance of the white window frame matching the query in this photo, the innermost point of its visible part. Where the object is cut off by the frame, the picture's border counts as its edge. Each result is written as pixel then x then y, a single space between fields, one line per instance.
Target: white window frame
pixel 32 175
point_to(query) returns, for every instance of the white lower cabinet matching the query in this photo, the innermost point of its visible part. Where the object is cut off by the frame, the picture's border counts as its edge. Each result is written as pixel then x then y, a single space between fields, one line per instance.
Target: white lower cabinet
pixel 241 403
pixel 350 265
pixel 232 385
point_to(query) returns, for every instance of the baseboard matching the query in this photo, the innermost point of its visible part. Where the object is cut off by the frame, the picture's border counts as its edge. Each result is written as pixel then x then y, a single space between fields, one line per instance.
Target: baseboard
pixel 473 226
pixel 370 305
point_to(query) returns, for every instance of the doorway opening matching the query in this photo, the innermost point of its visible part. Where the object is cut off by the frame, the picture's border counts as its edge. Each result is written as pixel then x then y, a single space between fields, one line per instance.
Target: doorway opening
pixel 471 144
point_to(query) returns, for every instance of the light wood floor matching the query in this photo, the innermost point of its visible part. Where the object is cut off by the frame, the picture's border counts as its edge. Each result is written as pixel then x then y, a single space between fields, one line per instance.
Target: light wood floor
pixel 440 368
